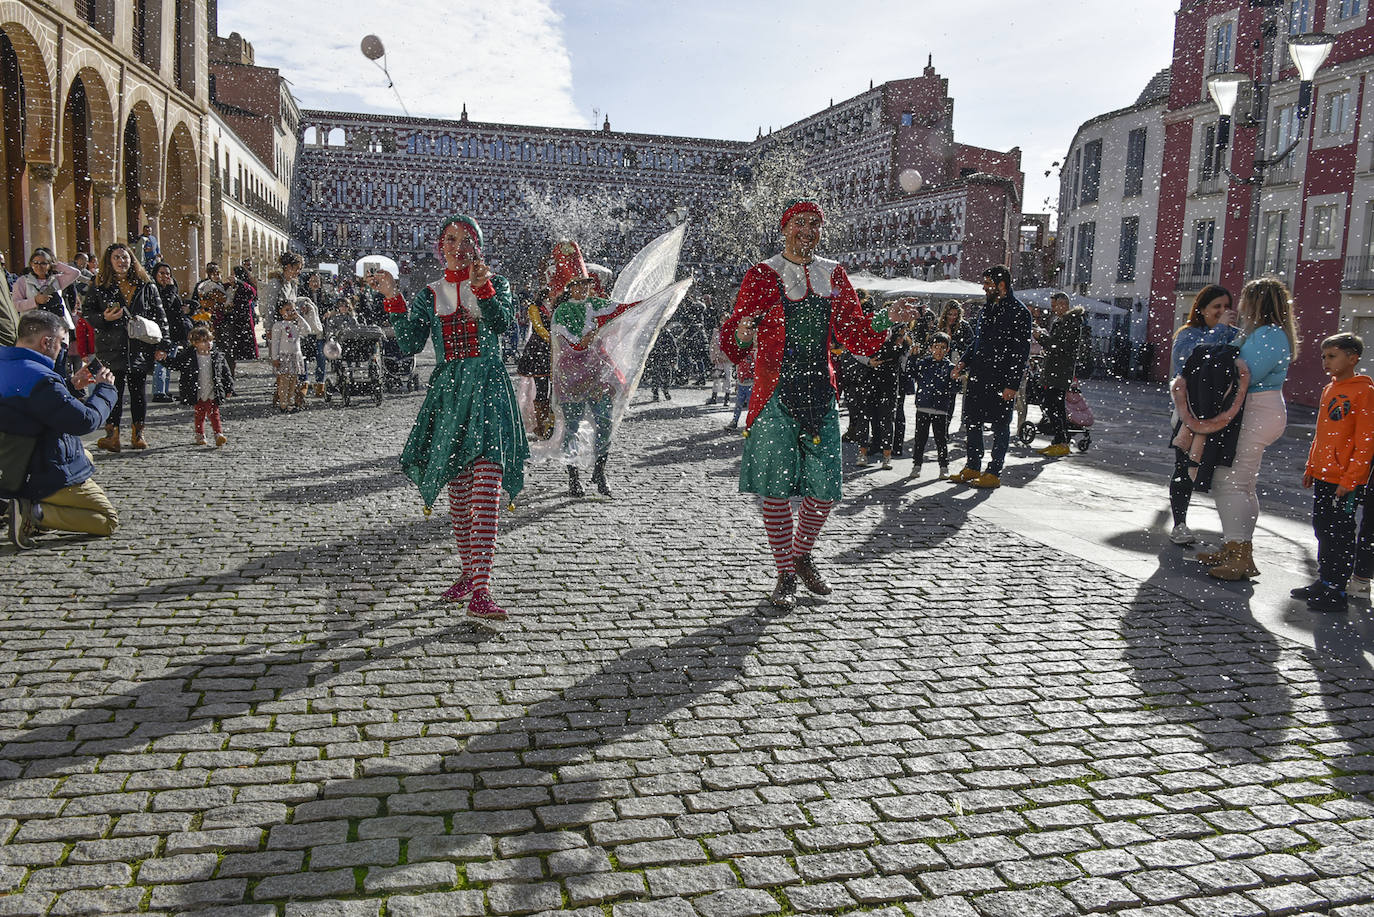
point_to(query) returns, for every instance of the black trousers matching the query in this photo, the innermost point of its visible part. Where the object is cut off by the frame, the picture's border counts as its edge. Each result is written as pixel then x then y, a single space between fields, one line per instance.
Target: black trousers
pixel 1056 414
pixel 880 398
pixel 923 424
pixel 1181 488
pixel 1334 527
pixel 137 384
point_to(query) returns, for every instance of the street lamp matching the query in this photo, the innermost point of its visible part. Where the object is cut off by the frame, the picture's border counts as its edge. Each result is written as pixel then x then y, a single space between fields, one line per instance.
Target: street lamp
pixel 1308 52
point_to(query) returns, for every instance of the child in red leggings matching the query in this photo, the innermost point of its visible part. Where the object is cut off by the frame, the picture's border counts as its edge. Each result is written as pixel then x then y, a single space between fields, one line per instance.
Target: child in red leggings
pixel 205 381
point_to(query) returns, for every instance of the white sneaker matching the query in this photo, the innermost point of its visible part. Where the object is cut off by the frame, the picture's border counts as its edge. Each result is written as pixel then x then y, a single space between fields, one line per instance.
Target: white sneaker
pixel 1182 535
pixel 1358 586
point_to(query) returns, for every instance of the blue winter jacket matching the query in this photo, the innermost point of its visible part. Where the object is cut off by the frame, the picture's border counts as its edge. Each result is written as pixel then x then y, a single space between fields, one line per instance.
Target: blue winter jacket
pixel 935 389
pixel 35 401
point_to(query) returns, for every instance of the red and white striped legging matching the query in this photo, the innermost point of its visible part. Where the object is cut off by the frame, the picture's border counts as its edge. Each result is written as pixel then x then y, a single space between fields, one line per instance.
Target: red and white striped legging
pixel 777 522
pixel 474 506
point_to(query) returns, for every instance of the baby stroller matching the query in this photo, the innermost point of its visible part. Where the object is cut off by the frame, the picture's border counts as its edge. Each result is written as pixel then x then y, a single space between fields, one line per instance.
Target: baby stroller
pixel 1079 411
pixel 355 362
pixel 398 368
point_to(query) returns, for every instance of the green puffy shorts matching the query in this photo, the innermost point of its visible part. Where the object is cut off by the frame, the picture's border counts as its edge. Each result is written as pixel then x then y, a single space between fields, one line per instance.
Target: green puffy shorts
pixel 780 462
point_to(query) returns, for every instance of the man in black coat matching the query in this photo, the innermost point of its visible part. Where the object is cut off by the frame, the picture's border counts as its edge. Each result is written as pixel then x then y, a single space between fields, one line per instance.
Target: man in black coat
pixel 996 365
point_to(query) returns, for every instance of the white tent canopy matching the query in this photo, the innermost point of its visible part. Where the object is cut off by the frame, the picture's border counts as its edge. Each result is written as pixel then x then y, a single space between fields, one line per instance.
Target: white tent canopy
pixel 908 286
pixel 1040 298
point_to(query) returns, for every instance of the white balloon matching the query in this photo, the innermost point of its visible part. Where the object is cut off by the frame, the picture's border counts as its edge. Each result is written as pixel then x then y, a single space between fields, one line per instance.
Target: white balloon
pixel 372 47
pixel 910 180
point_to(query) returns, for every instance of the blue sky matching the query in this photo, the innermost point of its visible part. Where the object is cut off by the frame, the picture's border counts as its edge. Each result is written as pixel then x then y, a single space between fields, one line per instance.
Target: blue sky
pixel 1021 74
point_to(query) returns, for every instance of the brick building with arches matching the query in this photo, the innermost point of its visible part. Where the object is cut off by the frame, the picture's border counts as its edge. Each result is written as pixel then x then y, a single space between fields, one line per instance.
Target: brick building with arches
pixel 110 122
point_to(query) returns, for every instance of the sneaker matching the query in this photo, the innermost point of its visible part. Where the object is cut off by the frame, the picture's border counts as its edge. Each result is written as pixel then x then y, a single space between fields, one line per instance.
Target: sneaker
pixel 732 425
pixel 220 440
pixel 987 480
pixel 862 461
pixel 1308 591
pixel 483 608
pixel 15 519
pixel 199 440
pixel 887 462
pixel 916 470
pixel 1058 450
pixel 1359 587
pixel 1182 535
pixel 459 590
pixel 944 471
pixel 966 476
pixel 1329 601
pixel 23 522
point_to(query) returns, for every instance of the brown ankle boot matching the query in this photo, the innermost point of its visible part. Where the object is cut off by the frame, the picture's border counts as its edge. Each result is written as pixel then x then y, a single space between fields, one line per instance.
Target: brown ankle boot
pixel 1212 558
pixel 137 441
pixel 319 389
pixel 1239 565
pixel 110 441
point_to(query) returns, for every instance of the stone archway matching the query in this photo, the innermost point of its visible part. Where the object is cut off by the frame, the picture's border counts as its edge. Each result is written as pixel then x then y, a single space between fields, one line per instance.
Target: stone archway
pixel 85 187
pixel 181 223
pixel 26 148
pixel 141 173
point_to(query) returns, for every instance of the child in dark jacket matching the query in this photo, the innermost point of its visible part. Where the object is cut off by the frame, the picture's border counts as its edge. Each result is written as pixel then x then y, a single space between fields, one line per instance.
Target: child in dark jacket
pixel 205 381
pixel 935 393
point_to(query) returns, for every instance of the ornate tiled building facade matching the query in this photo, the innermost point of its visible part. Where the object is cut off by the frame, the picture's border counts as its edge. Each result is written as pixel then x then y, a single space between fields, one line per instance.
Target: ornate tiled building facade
pixel 376 183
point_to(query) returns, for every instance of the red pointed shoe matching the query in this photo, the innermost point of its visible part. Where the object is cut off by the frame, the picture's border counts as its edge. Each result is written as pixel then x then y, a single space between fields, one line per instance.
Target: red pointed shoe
pixel 459 590
pixel 483 608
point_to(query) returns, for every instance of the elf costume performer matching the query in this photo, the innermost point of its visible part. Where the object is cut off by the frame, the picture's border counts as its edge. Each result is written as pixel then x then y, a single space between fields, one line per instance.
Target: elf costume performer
pixel 585 378
pixel 468 435
pixel 790 311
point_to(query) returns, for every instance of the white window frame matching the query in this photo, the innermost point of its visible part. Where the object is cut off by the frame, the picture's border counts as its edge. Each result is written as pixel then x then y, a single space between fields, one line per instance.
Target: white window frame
pixel 1332 246
pixel 1337 25
pixel 1231 18
pixel 1326 93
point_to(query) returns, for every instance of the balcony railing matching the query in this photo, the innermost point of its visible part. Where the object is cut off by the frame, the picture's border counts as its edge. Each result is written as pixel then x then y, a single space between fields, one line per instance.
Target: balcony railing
pixel 1210 184
pixel 1282 173
pixel 1194 275
pixel 1283 267
pixel 1359 273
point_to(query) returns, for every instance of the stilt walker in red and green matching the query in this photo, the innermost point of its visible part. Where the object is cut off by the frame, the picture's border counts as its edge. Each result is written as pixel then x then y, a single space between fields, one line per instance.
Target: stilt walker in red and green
pixel 790 310
pixel 468 436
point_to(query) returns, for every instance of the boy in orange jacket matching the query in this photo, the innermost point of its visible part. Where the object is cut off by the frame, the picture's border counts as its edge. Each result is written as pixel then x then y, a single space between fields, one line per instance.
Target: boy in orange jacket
pixel 1337 469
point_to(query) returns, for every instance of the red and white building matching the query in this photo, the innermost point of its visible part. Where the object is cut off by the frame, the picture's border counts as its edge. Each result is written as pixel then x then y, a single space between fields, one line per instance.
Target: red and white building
pixel 1316 208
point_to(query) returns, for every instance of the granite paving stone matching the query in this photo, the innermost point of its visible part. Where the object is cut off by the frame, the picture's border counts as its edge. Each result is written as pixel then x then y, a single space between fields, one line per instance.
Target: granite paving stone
pixel 282 718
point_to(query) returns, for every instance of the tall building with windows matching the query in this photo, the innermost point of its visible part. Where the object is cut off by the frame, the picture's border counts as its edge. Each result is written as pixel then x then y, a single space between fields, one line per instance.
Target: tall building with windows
pixel 1316 220
pixel 104 105
pixel 111 121
pixel 377 183
pixel 1108 205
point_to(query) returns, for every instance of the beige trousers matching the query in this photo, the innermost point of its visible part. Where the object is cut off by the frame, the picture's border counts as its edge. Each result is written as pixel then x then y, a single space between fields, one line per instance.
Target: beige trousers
pixel 80 508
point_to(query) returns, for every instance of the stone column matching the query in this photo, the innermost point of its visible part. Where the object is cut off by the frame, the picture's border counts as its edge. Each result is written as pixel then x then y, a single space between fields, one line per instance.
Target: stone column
pixel 42 219
pixel 194 255
pixel 105 232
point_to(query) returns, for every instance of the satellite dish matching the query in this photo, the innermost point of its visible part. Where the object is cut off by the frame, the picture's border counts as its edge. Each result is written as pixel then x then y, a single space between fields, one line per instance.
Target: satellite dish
pixel 373 48
pixel 910 180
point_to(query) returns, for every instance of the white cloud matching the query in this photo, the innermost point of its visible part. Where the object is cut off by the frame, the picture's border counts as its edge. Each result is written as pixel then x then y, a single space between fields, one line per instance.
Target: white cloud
pixel 507 61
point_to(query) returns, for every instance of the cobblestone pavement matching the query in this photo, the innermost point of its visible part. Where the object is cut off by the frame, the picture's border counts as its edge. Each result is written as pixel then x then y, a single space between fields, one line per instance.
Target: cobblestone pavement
pixel 252 702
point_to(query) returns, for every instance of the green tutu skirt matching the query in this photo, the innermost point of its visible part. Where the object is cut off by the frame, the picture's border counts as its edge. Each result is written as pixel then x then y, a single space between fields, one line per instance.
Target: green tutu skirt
pixel 469 413
pixel 781 462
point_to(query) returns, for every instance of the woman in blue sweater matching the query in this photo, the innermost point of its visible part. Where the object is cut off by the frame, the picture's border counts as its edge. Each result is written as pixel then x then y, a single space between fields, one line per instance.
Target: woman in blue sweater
pixel 1206 324
pixel 1269 346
